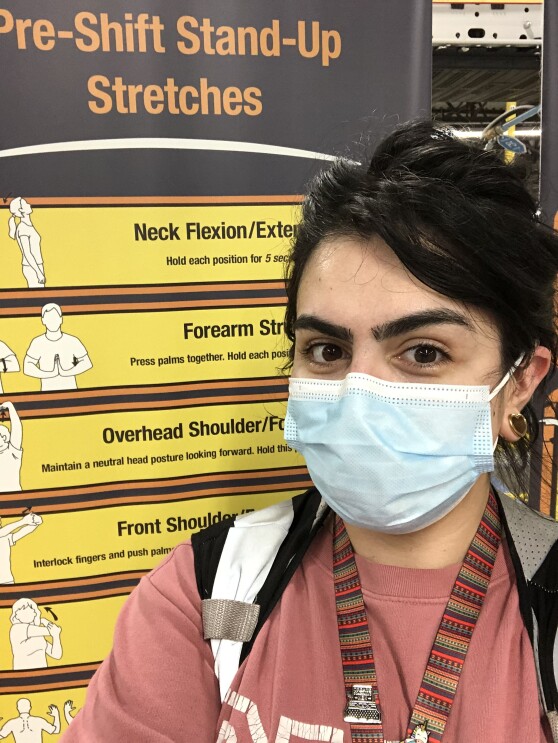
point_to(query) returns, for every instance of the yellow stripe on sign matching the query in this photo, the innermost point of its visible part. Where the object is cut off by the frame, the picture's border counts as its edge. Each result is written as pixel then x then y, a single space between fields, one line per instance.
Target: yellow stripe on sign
pixel 74 546
pixel 147 348
pixel 113 447
pixel 110 246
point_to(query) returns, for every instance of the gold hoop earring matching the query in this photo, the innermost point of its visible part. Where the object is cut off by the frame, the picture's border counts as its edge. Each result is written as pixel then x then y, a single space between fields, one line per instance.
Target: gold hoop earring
pixel 518 424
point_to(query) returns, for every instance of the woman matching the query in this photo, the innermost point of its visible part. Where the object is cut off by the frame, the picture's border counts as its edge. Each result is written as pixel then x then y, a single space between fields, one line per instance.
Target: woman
pixel 29 242
pixel 420 307
pixel 28 634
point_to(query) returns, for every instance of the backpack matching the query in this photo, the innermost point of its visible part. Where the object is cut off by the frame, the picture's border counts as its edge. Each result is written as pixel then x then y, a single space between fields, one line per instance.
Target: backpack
pixel 244 564
pixel 242 567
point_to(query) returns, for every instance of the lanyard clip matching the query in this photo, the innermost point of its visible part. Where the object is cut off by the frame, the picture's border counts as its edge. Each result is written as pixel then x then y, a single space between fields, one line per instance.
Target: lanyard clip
pixel 361 707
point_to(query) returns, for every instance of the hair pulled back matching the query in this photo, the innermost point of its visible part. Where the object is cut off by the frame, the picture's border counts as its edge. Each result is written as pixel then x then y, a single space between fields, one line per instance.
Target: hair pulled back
pixel 460 220
pixel 16 206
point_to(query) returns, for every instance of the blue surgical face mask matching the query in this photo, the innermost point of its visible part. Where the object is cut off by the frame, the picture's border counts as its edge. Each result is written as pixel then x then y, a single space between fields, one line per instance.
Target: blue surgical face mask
pixel 392 457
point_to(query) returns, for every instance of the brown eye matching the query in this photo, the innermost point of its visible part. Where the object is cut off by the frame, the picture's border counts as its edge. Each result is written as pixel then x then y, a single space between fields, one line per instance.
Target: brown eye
pixel 425 355
pixel 326 353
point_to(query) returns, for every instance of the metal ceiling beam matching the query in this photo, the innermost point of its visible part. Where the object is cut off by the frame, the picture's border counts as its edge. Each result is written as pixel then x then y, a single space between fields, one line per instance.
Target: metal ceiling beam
pixel 486 59
pixel 486 25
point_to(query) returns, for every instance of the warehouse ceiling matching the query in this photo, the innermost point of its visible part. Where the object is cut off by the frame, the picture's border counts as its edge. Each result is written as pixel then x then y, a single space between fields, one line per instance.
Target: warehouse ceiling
pixel 471 85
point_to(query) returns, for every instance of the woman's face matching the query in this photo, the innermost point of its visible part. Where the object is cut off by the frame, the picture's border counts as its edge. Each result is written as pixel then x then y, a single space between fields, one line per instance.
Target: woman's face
pixel 360 310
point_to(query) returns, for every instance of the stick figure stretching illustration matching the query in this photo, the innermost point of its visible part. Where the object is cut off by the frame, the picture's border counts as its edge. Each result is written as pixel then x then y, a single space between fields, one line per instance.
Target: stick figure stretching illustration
pixel 9 535
pixel 26 728
pixel 11 453
pixel 8 361
pixel 55 357
pixel 29 241
pixel 28 636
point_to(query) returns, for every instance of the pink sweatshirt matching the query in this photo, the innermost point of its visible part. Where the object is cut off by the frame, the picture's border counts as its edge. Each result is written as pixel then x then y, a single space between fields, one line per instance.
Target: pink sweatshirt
pixel 158 684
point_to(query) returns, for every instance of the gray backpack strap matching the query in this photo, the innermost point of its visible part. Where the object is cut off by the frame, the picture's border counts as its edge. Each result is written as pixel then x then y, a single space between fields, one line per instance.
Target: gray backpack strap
pixel 532 532
pixel 533 536
pixel 553 722
pixel 226 619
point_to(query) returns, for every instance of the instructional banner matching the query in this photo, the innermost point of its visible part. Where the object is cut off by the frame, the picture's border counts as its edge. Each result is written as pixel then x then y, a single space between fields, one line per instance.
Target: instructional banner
pixel 150 184
pixel 207 98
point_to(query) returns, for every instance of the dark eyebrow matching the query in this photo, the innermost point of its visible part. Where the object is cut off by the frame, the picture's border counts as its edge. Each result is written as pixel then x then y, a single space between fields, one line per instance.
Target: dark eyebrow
pixel 387 330
pixel 311 322
pixel 417 320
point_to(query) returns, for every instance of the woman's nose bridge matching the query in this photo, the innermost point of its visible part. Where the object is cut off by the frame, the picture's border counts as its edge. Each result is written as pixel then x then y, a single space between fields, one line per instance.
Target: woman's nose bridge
pixel 368 359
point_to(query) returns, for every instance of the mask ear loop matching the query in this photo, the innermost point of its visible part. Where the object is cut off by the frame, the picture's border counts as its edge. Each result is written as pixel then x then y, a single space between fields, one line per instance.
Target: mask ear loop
pixel 500 386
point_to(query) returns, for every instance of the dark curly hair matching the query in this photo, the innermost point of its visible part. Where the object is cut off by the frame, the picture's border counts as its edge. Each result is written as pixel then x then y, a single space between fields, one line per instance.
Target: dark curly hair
pixel 461 221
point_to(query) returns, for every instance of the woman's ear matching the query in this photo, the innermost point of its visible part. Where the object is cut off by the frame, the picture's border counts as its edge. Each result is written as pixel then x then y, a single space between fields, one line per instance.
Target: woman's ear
pixel 524 383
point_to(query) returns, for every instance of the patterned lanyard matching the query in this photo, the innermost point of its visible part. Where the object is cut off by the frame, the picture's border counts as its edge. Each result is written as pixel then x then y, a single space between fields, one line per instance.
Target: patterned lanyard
pixel 441 676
